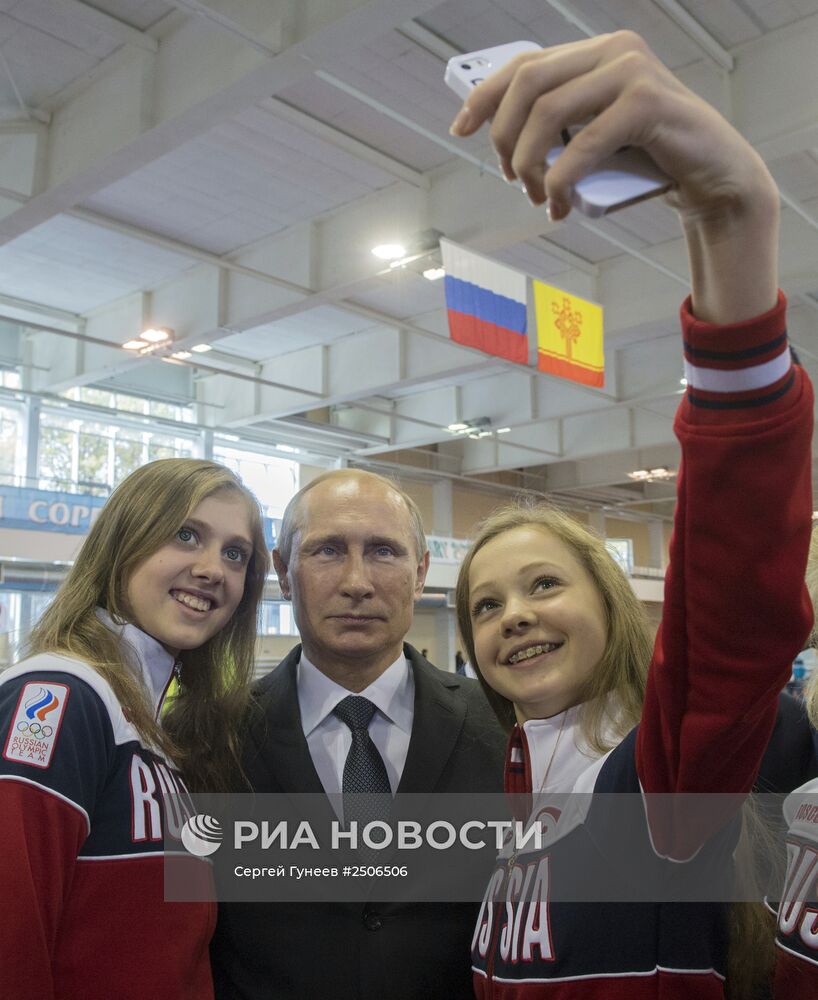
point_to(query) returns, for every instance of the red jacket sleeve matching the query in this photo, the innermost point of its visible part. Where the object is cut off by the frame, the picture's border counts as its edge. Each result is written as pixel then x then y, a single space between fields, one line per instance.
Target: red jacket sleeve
pixel 41 835
pixel 736 611
pixel 55 744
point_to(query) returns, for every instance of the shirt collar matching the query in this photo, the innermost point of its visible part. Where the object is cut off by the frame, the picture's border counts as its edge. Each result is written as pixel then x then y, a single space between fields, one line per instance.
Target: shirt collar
pixel 557 751
pixel 391 693
pixel 146 655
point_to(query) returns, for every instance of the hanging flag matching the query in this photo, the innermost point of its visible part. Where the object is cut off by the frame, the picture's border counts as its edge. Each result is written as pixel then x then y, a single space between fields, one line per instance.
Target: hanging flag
pixel 569 336
pixel 486 303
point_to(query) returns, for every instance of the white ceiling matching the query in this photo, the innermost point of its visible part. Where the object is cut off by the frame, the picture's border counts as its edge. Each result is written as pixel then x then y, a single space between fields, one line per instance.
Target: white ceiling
pixel 223 169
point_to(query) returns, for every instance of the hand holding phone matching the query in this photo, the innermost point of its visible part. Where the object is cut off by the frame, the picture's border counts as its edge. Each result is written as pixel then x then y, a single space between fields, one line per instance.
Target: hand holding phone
pixel 627 177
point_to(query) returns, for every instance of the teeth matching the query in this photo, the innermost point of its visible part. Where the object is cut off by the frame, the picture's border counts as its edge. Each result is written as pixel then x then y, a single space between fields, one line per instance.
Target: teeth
pixel 197 603
pixel 526 654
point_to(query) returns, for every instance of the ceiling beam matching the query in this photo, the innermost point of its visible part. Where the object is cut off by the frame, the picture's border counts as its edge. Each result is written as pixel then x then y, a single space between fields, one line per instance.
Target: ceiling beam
pixel 143 109
pixel 220 22
pixel 368 154
pixel 682 18
pixel 109 25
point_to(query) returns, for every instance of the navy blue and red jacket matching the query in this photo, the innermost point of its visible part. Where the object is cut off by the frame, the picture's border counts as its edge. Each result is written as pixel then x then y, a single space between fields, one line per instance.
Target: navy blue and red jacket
pixel 735 615
pixel 84 835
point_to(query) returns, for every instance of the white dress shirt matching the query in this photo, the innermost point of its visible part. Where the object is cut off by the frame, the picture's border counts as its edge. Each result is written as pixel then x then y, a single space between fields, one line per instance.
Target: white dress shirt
pixel 329 739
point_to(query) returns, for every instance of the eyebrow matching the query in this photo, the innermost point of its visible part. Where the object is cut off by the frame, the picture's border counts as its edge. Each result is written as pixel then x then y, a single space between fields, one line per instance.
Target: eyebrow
pixel 393 543
pixel 546 567
pixel 206 528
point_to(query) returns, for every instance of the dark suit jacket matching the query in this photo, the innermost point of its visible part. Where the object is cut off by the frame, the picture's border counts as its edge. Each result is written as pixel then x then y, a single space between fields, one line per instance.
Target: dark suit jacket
pixel 789 760
pixel 360 951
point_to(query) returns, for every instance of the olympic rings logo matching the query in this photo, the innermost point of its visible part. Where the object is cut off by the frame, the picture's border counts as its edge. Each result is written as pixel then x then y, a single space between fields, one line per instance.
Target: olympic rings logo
pixel 35 729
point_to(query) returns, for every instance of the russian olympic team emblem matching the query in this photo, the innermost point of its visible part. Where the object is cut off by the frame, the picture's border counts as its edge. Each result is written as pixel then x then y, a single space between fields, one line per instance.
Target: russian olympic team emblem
pixel 37 709
pixel 34 728
pixel 202 835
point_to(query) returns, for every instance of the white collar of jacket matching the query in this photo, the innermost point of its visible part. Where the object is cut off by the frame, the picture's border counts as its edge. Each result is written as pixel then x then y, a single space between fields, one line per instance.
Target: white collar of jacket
pixel 556 749
pixel 152 663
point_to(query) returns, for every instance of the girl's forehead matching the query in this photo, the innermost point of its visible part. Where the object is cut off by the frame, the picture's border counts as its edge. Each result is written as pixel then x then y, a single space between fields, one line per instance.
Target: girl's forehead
pixel 532 536
pixel 519 547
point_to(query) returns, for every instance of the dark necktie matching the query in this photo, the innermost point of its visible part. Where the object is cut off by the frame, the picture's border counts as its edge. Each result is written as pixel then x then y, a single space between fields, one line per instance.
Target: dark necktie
pixel 367 795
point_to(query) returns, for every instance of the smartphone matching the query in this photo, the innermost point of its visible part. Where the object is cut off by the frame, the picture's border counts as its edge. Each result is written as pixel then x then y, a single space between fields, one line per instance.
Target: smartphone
pixel 627 177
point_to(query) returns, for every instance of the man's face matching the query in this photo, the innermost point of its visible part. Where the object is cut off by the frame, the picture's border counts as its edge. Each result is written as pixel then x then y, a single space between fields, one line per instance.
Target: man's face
pixel 353 576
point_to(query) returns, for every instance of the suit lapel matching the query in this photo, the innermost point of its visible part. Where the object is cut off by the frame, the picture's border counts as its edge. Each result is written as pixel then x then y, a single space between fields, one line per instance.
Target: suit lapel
pixel 282 761
pixel 438 720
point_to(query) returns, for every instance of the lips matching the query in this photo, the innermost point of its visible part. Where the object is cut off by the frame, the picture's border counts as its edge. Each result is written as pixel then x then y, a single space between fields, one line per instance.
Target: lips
pixel 355 619
pixel 531 650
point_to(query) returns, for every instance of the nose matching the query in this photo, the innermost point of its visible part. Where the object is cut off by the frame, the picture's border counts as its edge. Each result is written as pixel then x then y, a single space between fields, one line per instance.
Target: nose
pixel 208 565
pixel 517 617
pixel 356 582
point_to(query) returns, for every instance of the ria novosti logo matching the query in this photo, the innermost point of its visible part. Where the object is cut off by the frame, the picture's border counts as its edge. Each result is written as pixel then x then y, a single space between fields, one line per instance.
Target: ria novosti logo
pixel 202 835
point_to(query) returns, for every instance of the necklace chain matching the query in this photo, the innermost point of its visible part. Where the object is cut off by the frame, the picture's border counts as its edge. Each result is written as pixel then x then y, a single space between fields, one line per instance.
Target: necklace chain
pixel 513 856
pixel 553 752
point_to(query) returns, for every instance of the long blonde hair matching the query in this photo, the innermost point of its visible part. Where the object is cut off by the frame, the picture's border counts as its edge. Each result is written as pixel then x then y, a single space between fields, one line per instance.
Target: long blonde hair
pixel 200 730
pixel 811 692
pixel 612 700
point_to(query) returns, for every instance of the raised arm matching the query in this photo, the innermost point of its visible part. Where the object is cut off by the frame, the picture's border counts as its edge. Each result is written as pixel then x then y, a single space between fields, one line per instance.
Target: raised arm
pixel 734 611
pixel 726 199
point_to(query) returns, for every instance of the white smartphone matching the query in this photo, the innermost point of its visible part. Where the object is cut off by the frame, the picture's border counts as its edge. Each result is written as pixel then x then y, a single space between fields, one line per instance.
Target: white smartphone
pixel 627 177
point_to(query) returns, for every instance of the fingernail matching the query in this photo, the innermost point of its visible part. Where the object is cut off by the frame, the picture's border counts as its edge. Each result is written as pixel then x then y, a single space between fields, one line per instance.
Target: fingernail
pixel 508 174
pixel 555 210
pixel 461 123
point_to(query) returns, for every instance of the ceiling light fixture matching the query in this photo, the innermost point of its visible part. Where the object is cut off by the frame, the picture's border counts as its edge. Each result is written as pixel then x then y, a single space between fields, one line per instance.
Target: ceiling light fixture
pixel 479 427
pixel 418 247
pixel 660 474
pixel 149 340
pixel 155 335
pixel 389 251
pixel 434 273
pixel 201 348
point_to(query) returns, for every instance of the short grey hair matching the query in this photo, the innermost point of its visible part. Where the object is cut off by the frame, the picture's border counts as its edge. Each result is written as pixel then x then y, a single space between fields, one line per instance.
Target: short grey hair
pixel 293 520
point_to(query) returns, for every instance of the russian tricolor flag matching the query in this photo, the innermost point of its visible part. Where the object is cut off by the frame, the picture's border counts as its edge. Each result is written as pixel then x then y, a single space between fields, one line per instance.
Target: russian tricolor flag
pixel 486 303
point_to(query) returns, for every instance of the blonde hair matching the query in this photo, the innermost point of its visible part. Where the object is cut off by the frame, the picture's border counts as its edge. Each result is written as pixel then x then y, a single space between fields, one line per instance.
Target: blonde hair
pixel 752 927
pixel 143 513
pixel 612 701
pixel 811 692
pixel 293 519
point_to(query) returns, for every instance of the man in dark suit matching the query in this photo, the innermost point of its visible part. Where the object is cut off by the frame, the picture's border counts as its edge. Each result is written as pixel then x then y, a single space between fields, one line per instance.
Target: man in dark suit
pixel 352 556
